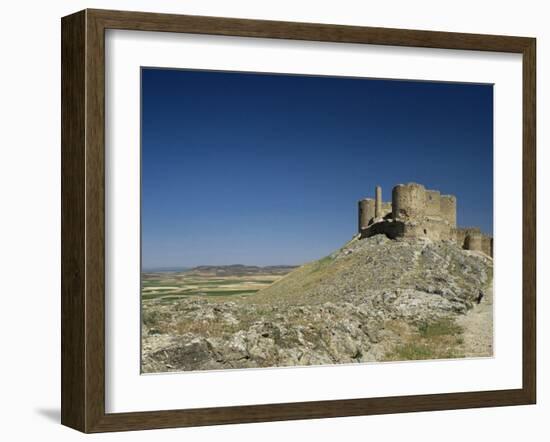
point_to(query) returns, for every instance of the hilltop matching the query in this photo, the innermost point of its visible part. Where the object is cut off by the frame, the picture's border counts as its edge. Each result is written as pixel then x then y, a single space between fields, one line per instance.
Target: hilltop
pixel 375 299
pixel 377 264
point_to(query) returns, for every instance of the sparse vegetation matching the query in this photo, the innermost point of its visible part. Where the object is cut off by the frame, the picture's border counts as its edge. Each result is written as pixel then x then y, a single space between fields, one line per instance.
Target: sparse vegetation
pixel 437 340
pixel 322 263
pixel 152 318
pixel 443 327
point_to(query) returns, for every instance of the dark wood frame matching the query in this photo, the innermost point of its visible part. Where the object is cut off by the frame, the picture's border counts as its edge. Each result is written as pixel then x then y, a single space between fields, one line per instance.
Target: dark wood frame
pixel 83 217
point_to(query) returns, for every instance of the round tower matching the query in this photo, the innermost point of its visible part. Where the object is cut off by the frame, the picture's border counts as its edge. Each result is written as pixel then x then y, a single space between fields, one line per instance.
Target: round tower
pixel 366 212
pixel 408 201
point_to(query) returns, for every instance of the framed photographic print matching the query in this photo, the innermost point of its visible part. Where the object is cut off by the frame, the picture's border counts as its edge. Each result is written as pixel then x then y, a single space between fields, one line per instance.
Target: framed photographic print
pixel 270 220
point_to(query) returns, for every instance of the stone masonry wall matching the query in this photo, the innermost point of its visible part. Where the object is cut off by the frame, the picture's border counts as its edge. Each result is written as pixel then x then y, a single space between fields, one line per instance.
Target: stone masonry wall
pixel 386 209
pixel 487 245
pixel 474 242
pixel 448 209
pixel 461 233
pixel 433 207
pixel 409 201
pixel 366 212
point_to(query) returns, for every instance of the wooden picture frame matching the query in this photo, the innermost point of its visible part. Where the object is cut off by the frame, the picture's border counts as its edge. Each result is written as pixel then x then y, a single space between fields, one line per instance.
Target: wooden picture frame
pixel 83 220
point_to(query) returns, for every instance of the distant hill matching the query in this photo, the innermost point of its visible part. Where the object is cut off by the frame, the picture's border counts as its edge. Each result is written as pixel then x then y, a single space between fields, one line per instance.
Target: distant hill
pixel 241 270
pixel 166 269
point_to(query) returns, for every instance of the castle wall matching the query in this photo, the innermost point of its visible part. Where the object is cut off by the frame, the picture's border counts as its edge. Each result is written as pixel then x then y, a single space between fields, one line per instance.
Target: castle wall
pixel 474 242
pixel 433 205
pixel 366 212
pixel 437 231
pixel 460 234
pixel 487 245
pixel 429 228
pixel 468 230
pixel 386 209
pixel 447 204
pixel 409 201
pixel 471 238
pixel 391 229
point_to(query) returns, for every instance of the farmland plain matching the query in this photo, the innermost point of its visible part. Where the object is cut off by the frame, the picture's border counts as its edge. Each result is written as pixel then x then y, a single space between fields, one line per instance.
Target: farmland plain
pixel 223 282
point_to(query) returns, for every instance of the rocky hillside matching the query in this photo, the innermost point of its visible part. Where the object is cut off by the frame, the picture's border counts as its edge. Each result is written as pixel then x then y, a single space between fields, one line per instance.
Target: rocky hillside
pixel 373 300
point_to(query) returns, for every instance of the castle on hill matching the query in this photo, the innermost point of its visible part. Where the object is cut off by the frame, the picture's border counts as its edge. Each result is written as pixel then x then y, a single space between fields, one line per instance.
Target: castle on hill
pixel 417 212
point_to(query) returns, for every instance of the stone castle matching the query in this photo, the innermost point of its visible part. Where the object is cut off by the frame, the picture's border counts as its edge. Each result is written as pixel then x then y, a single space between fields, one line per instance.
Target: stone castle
pixel 417 212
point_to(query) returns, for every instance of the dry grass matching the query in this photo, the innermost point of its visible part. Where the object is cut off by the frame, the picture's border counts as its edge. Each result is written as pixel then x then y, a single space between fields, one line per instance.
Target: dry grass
pixel 438 340
pixel 209 328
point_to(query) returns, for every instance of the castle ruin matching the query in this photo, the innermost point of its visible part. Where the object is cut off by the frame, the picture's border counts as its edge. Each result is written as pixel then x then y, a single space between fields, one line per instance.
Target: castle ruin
pixel 417 212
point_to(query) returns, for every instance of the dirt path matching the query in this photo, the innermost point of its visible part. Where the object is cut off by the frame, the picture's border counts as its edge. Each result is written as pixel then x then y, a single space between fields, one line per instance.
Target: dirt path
pixel 478 328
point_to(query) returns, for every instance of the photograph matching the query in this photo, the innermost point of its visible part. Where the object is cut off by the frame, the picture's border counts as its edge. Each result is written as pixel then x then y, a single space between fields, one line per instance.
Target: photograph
pixel 299 220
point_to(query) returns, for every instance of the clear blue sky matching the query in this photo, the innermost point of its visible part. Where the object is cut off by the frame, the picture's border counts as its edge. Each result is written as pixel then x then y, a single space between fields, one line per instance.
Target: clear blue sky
pixel 267 169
